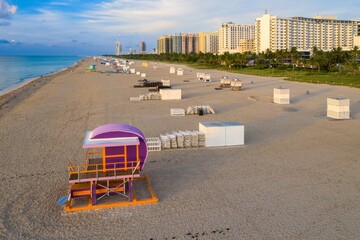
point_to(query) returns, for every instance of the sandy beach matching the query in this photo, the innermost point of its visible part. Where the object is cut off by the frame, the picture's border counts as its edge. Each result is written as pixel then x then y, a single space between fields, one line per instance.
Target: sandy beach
pixel 296 177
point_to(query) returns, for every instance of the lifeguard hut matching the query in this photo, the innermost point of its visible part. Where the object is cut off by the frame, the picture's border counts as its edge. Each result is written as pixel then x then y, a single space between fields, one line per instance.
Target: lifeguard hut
pixel 91 68
pixel 116 155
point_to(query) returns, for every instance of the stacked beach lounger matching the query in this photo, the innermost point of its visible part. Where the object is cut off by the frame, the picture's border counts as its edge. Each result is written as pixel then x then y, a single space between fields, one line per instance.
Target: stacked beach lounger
pixel 183 139
pixel 206 109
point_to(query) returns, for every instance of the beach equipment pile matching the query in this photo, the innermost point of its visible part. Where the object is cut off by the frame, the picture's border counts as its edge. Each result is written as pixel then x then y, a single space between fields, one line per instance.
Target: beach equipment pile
pixel 199 110
pixel 179 72
pixel 236 84
pixel 153 144
pixel 175 112
pixel 203 77
pixel 182 139
pixel 225 82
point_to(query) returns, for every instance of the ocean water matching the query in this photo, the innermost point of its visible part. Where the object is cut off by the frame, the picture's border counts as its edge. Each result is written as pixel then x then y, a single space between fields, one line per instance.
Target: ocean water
pixel 15 70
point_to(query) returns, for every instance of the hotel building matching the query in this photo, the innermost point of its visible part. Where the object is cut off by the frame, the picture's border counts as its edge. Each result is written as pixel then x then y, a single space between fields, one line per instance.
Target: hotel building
pixel 209 42
pixel 164 44
pixel 118 48
pixel 189 43
pixel 231 36
pixel 180 43
pixel 323 32
pixel 176 43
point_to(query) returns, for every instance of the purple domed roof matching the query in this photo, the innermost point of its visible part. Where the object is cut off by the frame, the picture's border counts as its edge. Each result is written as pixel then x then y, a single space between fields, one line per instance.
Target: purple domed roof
pixel 112 135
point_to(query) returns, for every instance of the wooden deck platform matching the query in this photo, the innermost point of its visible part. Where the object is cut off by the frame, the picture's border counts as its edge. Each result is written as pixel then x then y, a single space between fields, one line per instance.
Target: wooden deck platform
pixel 71 206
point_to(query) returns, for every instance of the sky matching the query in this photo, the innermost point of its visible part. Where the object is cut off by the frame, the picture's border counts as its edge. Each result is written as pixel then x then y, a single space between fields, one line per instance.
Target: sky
pixel 91 27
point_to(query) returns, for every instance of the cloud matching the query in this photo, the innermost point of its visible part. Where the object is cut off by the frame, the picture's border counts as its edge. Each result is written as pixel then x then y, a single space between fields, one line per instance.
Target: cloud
pixel 4 23
pixel 138 16
pixel 7 10
pixel 58 3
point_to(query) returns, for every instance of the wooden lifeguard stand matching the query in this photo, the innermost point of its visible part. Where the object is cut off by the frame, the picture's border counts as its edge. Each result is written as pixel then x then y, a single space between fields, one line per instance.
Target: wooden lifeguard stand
pixel 91 68
pixel 116 155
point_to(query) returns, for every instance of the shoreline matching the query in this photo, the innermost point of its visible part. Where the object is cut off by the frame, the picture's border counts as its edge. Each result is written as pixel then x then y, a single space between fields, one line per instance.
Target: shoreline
pixel 11 96
pixel 29 80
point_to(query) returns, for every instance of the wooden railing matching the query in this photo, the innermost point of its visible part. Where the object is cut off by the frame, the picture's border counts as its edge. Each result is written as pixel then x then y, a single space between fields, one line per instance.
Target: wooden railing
pixel 99 168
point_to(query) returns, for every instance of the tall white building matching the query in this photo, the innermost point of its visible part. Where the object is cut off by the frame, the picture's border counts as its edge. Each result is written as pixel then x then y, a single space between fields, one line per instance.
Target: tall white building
pixel 323 32
pixel 231 35
pixel 118 48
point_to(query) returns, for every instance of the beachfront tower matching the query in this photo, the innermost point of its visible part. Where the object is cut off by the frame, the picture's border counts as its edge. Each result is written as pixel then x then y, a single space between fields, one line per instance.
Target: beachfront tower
pixel 118 48
pixel 177 43
pixel 324 32
pixel 209 42
pixel 233 36
pixel 189 43
pixel 142 47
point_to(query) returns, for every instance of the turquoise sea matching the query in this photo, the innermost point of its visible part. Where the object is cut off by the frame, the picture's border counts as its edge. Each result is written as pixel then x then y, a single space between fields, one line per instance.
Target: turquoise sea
pixel 15 70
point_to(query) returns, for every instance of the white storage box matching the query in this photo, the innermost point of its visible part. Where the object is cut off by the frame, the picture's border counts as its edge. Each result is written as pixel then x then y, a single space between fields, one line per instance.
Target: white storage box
pixel 281 95
pixel 234 132
pixel 143 75
pixel 180 71
pixel 215 133
pixel 338 108
pixel 137 73
pixel 132 70
pixel 220 134
pixel 177 112
pixel 172 70
pixel 170 94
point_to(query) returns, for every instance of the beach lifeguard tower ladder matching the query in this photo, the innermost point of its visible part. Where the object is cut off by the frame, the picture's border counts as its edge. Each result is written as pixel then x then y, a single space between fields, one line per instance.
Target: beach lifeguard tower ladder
pixel 109 177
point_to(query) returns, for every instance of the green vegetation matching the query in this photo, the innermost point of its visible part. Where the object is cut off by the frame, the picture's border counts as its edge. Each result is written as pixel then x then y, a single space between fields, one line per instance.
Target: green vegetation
pixel 336 67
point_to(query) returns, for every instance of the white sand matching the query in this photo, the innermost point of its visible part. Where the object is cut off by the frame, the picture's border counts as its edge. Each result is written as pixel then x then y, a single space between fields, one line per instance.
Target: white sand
pixel 297 177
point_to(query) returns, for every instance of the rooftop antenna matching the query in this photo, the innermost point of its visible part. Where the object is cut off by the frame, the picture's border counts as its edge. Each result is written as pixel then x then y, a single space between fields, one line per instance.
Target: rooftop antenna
pixel 266 11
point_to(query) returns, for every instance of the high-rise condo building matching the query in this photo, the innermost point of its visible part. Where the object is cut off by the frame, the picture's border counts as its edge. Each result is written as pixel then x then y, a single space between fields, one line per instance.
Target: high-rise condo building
pixel 231 35
pixel 189 43
pixel 323 32
pixel 179 43
pixel 176 43
pixel 164 44
pixel 209 42
pixel 142 47
pixel 118 48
